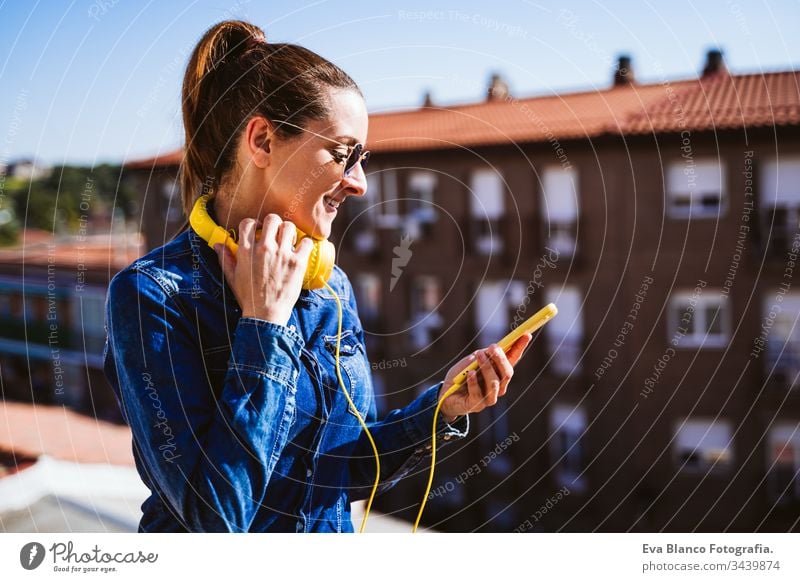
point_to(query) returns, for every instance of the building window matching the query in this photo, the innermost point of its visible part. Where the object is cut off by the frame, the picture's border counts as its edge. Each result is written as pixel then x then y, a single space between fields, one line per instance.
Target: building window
pixel 783 463
pixel 560 209
pixel 564 334
pixel 494 305
pixel 367 287
pixel 420 203
pixel 696 190
pixel 703 445
pixel 567 425
pixel 783 342
pixel 382 186
pixel 362 212
pixel 487 210
pixel 426 294
pixel 780 203
pixel 699 320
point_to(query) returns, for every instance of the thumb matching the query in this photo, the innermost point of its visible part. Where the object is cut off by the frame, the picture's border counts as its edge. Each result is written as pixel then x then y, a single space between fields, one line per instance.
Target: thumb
pixel 517 350
pixel 226 260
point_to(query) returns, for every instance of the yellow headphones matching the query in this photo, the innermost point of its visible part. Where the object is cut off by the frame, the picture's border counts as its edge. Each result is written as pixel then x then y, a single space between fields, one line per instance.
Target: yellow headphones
pixel 319 270
pixel 320 263
pixel 320 266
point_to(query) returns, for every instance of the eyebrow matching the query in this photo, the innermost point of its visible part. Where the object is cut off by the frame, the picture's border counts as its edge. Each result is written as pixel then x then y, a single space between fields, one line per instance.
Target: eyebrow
pixel 348 139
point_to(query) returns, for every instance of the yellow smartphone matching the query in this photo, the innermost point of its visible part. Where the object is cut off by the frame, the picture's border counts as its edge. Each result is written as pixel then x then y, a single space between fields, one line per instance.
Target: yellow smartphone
pixel 531 324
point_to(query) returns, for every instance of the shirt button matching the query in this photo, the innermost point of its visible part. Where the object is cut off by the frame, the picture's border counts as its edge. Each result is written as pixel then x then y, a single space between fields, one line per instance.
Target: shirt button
pixel 292 327
pixel 299 527
pixel 309 472
pixel 447 437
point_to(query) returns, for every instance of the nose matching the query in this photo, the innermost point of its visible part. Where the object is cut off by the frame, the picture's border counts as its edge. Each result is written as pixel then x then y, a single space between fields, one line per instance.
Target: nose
pixel 355 183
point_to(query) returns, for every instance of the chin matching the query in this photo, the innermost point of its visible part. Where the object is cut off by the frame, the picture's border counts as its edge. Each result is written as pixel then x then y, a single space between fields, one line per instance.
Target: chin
pixel 319 228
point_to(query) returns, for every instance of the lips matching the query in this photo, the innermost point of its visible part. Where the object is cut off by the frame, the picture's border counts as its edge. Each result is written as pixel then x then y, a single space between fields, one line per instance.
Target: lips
pixel 332 203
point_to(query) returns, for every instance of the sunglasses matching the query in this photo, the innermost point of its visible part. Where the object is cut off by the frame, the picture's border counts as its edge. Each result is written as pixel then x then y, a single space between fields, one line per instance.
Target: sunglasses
pixel 355 154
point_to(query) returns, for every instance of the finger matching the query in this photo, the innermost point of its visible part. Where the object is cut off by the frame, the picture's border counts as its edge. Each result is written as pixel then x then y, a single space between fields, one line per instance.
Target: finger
pixel 226 260
pixel 518 348
pixel 305 247
pixel 269 232
pixel 475 399
pixel 247 230
pixel 287 234
pixel 503 367
pixel 491 381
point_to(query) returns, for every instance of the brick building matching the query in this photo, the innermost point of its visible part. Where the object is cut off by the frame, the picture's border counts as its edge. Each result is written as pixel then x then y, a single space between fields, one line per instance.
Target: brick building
pixel 52 298
pixel 662 219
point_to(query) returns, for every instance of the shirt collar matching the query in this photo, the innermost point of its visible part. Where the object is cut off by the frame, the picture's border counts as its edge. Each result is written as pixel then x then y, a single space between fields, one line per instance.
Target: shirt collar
pixel 207 257
pixel 210 262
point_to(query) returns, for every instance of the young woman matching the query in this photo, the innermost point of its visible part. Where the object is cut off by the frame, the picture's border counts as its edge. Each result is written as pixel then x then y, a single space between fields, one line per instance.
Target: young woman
pixel 224 367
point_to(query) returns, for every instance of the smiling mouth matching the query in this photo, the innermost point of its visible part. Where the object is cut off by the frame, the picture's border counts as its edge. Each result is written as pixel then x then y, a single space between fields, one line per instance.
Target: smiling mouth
pixel 331 203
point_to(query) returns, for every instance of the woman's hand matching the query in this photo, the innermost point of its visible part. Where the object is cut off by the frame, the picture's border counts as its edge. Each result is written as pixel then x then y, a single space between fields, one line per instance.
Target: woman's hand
pixel 266 275
pixel 486 384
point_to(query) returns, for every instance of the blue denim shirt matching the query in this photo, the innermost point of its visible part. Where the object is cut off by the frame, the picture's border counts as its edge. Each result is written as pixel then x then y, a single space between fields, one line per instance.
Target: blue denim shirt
pixel 240 424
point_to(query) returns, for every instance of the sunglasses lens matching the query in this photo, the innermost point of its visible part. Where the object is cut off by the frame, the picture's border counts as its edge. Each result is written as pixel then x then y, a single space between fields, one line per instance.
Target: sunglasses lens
pixel 351 161
pixel 354 157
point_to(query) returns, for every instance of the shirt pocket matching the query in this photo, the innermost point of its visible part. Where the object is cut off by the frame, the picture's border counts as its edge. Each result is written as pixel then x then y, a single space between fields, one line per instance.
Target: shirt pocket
pixel 354 367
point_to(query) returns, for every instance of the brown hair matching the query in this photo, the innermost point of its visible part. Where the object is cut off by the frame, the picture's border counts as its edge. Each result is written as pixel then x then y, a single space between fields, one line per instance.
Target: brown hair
pixel 235 74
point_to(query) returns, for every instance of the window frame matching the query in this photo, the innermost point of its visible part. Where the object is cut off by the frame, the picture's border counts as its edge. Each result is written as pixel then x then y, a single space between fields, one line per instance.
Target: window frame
pixel 695 209
pixel 698 339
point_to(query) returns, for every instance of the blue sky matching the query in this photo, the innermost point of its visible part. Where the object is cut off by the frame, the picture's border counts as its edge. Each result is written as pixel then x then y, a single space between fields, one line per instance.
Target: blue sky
pixel 93 81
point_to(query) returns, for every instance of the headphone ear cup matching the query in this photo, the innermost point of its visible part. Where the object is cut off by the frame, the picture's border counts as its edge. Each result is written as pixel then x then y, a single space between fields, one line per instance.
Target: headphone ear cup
pixel 320 262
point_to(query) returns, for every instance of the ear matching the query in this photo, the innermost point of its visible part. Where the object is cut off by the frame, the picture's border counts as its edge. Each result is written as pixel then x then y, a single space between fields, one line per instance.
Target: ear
pixel 258 138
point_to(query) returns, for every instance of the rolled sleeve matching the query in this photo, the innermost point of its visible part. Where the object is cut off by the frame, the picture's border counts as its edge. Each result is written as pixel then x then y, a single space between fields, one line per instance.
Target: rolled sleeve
pixel 419 421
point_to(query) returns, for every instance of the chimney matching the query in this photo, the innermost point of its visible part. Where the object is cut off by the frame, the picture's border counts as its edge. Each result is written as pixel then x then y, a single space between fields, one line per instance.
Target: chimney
pixel 623 75
pixel 427 101
pixel 714 63
pixel 498 89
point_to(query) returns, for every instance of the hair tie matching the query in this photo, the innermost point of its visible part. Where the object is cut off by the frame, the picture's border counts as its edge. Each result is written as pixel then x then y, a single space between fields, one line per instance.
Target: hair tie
pixel 255 41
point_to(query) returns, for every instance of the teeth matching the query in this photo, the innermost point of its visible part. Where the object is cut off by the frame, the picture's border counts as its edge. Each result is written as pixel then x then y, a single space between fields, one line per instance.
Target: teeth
pixel 332 202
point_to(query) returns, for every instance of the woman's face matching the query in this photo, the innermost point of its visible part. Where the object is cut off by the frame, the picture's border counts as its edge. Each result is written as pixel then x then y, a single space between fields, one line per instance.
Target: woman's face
pixel 304 177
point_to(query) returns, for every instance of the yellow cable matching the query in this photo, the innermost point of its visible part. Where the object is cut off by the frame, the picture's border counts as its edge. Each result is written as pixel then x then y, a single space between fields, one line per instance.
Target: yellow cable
pixel 355 410
pixel 450 390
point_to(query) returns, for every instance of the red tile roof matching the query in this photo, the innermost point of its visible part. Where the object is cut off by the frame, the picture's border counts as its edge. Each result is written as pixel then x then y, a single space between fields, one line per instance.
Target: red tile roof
pixel 720 101
pixel 38 247
pixel 161 160
pixel 31 430
pixel 723 102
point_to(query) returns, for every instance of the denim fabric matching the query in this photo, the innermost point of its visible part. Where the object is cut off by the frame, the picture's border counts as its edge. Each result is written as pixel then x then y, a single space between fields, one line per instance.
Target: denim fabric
pixel 240 424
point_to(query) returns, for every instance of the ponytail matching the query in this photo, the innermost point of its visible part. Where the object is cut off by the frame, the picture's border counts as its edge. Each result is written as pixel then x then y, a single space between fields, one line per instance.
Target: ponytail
pixel 234 74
